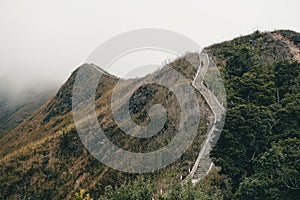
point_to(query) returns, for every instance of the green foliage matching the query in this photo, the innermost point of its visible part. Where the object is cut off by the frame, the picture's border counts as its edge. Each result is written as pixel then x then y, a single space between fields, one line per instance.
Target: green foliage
pixel 140 188
pixel 286 75
pixel 240 61
pixel 258 148
pixel 277 173
pixel 291 35
pixel 145 188
pixel 240 140
pixel 70 145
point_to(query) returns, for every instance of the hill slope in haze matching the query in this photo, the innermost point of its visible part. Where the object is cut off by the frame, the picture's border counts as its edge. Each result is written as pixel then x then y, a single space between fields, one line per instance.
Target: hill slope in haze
pixel 13 110
pixel 257 154
pixel 44 158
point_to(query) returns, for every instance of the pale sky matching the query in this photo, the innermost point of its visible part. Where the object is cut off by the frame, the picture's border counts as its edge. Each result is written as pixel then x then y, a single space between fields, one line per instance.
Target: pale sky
pixel 44 41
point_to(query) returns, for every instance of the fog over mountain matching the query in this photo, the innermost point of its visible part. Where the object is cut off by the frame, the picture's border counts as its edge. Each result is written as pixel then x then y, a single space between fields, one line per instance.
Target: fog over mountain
pixel 44 41
pixel 250 68
pixel 43 157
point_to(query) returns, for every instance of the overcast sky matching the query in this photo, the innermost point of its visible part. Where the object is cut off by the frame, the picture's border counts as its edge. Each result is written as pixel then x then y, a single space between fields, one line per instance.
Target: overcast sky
pixel 44 41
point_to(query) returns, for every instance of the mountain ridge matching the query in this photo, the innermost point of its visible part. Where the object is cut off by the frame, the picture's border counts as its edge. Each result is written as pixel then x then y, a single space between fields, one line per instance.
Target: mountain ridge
pixel 47 147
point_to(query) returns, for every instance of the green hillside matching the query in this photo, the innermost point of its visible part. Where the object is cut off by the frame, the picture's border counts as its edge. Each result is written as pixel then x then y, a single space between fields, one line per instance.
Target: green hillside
pixel 256 157
pixel 13 111
pixel 259 146
pixel 44 157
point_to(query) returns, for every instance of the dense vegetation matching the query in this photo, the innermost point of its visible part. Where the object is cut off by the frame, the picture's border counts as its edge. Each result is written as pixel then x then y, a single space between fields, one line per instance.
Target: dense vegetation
pixel 145 187
pixel 258 150
pixel 257 155
pixel 259 146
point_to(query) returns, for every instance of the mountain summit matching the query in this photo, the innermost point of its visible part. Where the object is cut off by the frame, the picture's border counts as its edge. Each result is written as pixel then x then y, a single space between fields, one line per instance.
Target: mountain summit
pixel 44 158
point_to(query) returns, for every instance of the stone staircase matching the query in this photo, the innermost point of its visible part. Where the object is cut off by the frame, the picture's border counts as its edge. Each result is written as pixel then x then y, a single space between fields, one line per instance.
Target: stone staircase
pixel 203 163
pixel 203 168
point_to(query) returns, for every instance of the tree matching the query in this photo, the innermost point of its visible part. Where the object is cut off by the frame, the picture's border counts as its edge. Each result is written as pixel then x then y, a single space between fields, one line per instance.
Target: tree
pixel 240 61
pixel 286 75
pixel 277 173
pixel 244 137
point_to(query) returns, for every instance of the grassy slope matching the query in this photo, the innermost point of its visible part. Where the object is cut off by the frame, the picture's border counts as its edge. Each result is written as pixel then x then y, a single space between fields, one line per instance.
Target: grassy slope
pixel 14 112
pixel 43 157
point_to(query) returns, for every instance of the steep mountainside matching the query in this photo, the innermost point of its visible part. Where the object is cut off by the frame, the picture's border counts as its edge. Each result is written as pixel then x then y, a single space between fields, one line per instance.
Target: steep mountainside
pixel 44 157
pixel 259 146
pixel 13 110
pixel 257 154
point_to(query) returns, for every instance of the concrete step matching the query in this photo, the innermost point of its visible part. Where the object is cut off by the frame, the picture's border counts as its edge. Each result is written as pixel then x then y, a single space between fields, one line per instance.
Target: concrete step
pixel 203 168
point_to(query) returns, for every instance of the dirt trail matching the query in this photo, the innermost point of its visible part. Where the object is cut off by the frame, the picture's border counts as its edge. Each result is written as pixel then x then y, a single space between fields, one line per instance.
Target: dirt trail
pixel 293 48
pixel 79 180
